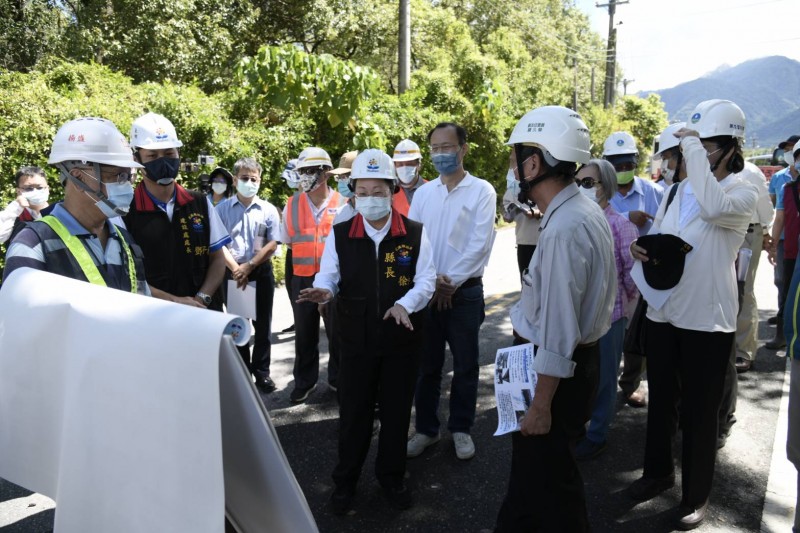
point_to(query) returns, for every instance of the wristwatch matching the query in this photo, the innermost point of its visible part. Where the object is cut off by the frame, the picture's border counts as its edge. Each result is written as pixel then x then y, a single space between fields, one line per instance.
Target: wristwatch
pixel 205 298
pixel 251 263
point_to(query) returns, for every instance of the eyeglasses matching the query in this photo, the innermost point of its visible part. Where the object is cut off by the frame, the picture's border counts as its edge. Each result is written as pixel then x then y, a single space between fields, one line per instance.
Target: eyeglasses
pixel 443 148
pixel 586 183
pixel 110 175
pixel 310 171
pixel 33 188
pixel 251 179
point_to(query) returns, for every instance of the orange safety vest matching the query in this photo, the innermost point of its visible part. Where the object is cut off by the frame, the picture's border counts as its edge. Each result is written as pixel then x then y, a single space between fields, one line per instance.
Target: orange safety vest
pixel 400 201
pixel 306 236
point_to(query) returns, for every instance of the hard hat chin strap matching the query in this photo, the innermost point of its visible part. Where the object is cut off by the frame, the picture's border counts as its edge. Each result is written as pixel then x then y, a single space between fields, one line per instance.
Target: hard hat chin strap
pixel 524 184
pixel 66 168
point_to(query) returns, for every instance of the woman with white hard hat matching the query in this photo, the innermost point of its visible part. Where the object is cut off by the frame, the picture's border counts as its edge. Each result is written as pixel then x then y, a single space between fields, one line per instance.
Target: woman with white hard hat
pixel 689 281
pixel 379 266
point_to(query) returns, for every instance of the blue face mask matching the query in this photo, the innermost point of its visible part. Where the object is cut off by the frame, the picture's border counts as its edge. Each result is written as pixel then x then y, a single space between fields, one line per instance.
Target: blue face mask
pixel 512 184
pixel 119 198
pixel 445 164
pixel 344 190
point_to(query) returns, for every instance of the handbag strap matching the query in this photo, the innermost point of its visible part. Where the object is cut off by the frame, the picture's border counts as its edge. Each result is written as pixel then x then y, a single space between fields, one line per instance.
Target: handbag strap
pixel 672 192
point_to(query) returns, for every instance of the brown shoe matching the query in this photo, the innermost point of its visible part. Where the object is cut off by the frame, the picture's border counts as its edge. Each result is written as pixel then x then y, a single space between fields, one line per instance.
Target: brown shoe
pixel 637 399
pixel 690 517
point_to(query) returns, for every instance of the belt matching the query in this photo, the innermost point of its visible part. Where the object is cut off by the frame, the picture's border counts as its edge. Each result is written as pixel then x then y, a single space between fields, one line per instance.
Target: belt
pixel 471 282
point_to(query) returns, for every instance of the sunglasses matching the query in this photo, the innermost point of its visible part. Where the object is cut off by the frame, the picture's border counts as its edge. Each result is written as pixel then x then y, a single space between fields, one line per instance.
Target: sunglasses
pixel 586 183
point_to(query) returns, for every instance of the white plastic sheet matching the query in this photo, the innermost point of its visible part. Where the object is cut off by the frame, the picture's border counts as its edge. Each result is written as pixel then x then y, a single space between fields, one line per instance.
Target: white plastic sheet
pixel 111 404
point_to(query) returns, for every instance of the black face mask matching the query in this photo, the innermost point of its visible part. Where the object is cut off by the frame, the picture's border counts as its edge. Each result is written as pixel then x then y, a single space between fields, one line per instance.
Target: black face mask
pixel 163 170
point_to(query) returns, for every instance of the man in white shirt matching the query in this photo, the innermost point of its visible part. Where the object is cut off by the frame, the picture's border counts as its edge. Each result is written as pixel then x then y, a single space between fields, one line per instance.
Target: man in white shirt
pixel 566 305
pixel 379 265
pixel 458 211
pixel 32 195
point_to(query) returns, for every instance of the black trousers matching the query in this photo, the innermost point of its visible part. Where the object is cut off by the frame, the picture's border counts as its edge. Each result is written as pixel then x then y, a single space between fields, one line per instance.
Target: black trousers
pixel 788 268
pixel 686 368
pixel 524 254
pixel 545 489
pixel 306 339
pixel 258 362
pixel 363 380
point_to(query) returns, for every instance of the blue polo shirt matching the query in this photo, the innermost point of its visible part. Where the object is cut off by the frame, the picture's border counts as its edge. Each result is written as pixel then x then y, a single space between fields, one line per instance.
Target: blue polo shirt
pixel 643 196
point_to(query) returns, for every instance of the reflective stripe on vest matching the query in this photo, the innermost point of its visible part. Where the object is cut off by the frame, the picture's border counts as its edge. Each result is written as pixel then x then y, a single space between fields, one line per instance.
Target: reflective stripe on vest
pixel 306 236
pixel 78 251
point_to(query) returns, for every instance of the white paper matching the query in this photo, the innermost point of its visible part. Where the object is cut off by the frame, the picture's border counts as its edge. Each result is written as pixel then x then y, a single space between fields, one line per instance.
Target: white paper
pixel 111 404
pixel 514 385
pixel 242 302
pixel 654 297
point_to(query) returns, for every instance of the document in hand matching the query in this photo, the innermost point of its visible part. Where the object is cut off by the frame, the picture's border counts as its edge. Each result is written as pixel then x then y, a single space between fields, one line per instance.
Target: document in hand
pixel 514 385
pixel 136 414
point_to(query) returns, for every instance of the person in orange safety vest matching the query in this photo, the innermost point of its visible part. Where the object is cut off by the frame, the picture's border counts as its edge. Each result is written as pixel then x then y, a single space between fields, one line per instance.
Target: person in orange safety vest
pixel 407 161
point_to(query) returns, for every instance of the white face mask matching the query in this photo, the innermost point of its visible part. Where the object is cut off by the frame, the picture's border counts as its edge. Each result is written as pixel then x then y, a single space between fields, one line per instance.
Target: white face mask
pixel 406 174
pixel 37 196
pixel 591 194
pixel 374 207
pixel 248 189
pixel 219 188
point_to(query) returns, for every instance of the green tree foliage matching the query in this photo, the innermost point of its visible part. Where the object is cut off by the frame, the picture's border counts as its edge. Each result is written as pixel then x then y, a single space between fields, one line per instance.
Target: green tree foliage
pixel 29 31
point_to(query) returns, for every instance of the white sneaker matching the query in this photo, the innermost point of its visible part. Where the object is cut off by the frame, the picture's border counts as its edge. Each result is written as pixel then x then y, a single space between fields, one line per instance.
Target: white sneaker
pixel 465 449
pixel 417 444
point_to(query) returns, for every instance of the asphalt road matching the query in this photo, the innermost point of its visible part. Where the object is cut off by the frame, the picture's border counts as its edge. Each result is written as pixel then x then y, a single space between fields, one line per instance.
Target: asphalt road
pixel 464 496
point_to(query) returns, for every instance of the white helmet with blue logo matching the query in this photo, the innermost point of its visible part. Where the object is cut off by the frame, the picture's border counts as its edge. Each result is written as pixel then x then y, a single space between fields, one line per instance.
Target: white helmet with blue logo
pixel 373 163
pixel 620 143
pixel 713 118
pixel 152 131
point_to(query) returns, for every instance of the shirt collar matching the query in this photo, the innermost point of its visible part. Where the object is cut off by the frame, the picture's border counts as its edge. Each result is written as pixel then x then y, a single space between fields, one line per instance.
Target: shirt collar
pixel 256 201
pixel 566 193
pixel 71 223
pixel 637 188
pixel 468 180
pixel 147 202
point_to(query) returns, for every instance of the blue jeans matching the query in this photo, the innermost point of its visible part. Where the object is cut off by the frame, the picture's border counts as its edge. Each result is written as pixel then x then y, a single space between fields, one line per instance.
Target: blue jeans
pixel 606 399
pixel 458 327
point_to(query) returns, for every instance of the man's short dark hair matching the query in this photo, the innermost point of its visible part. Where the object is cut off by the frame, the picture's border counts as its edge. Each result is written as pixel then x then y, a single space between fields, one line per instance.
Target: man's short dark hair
pixel 460 131
pixel 28 171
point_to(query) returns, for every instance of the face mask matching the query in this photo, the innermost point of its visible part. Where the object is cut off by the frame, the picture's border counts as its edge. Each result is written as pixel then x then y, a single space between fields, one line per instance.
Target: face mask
pixel 344 190
pixel 445 164
pixel 588 193
pixel 623 178
pixel 406 174
pixel 374 207
pixel 219 188
pixel 119 198
pixel 310 183
pixel 37 196
pixel 163 170
pixel 248 189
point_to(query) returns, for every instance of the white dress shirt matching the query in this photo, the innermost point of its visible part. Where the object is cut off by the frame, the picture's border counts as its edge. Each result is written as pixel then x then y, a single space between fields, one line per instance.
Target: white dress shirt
pixel 568 292
pixel 414 300
pixel 460 224
pixel 706 297
pixel 9 215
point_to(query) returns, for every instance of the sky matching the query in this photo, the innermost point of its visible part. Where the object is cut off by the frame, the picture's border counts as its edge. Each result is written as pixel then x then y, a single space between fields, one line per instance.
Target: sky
pixel 665 43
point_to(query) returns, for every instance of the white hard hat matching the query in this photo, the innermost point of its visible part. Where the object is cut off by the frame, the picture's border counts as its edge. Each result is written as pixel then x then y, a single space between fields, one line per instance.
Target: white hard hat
pixel 152 131
pixel 91 140
pixel 717 117
pixel 313 157
pixel 373 163
pixel 559 131
pixel 406 150
pixel 667 139
pixel 790 155
pixel 620 143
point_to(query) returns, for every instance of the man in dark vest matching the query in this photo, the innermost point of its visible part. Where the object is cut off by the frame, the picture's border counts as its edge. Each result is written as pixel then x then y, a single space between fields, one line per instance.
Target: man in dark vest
pixel 379 265
pixel 77 239
pixel 179 230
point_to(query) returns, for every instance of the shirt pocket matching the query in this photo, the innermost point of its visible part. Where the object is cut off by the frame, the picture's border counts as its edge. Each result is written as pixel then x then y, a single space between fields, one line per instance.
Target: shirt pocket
pixel 461 230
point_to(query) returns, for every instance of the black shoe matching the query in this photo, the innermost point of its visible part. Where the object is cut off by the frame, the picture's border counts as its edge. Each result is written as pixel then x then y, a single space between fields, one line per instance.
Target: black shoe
pixel 588 449
pixel 398 495
pixel 647 488
pixel 300 395
pixel 743 365
pixel 772 320
pixel 288 330
pixel 342 500
pixel 690 516
pixel 266 385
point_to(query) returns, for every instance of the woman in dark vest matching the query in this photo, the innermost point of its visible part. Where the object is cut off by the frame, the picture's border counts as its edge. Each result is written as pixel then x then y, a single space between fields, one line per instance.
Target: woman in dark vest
pixel 379 266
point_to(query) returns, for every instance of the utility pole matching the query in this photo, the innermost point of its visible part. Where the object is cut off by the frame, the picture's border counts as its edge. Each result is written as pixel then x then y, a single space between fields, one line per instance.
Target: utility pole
pixel 625 83
pixel 404 47
pixel 611 53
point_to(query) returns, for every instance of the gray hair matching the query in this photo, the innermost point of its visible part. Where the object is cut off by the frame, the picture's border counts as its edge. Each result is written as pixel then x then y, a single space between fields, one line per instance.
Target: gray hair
pixel 607 176
pixel 247 163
